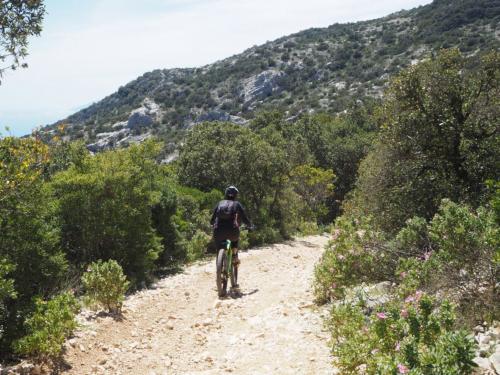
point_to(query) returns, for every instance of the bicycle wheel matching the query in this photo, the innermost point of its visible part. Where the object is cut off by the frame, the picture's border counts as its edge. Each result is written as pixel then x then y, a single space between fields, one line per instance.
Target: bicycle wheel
pixel 221 273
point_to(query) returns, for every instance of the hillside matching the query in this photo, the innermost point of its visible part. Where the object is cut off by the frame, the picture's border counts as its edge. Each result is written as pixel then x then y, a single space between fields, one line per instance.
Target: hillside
pixel 319 69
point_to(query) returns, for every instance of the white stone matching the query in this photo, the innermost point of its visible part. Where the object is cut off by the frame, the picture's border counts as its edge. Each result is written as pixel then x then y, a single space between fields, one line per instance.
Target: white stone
pixel 495 361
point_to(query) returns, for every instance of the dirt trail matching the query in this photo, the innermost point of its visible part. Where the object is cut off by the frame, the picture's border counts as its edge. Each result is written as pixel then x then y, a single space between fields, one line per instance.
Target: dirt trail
pixel 181 327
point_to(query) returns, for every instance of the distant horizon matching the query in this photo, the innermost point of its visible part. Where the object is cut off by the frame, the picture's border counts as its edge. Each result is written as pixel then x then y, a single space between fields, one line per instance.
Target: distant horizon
pixel 87 51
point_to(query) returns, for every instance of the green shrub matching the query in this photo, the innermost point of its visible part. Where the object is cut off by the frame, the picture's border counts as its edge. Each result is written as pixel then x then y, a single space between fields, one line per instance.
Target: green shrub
pixel 413 336
pixel 29 235
pixel 197 246
pixel 50 325
pixel 307 228
pixel 436 139
pixel 457 247
pixel 353 256
pixel 105 284
pixel 243 243
pixel 105 205
pixel 464 236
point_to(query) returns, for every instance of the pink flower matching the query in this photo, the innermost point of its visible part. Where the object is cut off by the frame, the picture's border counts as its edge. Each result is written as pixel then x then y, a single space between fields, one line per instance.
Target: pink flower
pixel 403 369
pixel 418 295
pixel 382 315
pixel 334 285
pixel 398 346
pixel 403 274
pixel 426 256
pixel 414 298
pixel 404 313
pixel 410 299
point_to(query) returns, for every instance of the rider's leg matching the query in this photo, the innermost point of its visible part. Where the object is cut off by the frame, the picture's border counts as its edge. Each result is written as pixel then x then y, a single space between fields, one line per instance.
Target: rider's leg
pixel 236 257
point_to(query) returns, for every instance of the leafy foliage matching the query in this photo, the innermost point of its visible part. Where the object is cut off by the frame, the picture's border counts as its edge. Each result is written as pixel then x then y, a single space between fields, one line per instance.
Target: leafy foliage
pixel 223 154
pixel 105 284
pixel 414 336
pixel 105 207
pixel 351 257
pixel 18 21
pixel 51 323
pixel 29 229
pixel 438 139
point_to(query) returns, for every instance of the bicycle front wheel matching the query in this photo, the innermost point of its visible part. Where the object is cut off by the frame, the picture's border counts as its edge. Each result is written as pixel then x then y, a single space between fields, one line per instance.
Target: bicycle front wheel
pixel 221 267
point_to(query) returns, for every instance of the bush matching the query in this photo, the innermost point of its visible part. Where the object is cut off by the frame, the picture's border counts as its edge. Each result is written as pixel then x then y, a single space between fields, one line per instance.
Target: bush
pixel 413 336
pixel 50 325
pixel 29 234
pixel 198 245
pixel 453 254
pixel 436 141
pixel 308 228
pixel 105 284
pixel 457 258
pixel 105 205
pixel 353 256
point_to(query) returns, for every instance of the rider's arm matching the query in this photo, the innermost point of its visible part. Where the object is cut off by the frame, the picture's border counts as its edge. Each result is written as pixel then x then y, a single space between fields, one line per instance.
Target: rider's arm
pixel 214 215
pixel 244 216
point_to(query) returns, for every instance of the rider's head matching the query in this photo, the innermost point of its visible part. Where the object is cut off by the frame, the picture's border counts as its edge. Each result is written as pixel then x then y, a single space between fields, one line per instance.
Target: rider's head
pixel 231 192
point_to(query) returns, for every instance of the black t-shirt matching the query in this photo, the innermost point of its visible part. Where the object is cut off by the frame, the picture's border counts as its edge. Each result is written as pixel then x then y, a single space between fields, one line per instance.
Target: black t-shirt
pixel 238 215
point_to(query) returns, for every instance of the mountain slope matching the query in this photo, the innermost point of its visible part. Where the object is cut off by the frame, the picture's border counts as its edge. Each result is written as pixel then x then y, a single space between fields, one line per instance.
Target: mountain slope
pixel 313 70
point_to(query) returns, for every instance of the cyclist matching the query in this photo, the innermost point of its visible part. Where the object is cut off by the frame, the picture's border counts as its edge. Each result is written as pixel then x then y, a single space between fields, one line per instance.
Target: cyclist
pixel 226 221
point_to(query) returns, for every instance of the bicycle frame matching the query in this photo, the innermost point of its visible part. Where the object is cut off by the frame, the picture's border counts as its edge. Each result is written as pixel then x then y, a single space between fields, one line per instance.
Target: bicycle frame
pixel 229 252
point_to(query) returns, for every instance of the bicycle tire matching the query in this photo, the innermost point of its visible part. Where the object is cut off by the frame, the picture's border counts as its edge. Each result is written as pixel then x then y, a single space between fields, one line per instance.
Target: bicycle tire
pixel 221 273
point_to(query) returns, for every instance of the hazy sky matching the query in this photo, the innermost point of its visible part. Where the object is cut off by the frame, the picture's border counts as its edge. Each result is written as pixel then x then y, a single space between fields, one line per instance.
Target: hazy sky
pixel 89 48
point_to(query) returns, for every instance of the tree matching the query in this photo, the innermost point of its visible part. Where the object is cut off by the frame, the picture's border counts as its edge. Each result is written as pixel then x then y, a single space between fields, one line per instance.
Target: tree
pixel 30 258
pixel 216 155
pixel 105 204
pixel 439 139
pixel 19 19
pixel 315 186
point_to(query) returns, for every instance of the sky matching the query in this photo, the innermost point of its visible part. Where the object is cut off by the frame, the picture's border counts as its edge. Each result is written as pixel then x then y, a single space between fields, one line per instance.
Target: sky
pixel 88 49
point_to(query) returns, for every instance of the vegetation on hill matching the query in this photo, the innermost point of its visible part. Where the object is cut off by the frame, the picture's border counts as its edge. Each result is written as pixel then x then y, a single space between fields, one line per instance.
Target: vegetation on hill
pixel 316 70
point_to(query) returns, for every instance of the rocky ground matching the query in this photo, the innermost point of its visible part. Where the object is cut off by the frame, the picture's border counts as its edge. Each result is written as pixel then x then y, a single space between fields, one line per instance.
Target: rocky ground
pixel 488 354
pixel 181 327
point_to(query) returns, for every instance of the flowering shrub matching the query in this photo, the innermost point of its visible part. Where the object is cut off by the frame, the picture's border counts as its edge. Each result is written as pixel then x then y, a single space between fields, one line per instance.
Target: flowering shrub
pixel 353 256
pixel 454 253
pixel 411 336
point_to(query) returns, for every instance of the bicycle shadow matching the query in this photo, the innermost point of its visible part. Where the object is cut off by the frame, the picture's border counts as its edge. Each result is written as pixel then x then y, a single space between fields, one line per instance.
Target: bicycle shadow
pixel 233 294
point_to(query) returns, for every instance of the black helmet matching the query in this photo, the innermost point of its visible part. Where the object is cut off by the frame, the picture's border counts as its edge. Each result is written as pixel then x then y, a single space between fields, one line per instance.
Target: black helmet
pixel 231 192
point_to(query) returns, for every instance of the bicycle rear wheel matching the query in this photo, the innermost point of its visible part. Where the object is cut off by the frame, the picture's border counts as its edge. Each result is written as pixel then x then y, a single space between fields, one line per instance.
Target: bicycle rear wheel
pixel 221 273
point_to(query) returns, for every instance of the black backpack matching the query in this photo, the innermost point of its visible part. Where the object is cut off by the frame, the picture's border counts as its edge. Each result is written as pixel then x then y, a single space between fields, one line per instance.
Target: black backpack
pixel 226 210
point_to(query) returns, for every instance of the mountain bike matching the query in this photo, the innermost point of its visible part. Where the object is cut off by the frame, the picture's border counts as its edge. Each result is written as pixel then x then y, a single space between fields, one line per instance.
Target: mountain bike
pixel 226 269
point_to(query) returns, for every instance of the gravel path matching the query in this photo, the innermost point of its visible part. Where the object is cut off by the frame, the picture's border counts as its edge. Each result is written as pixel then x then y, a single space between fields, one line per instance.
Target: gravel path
pixel 181 327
